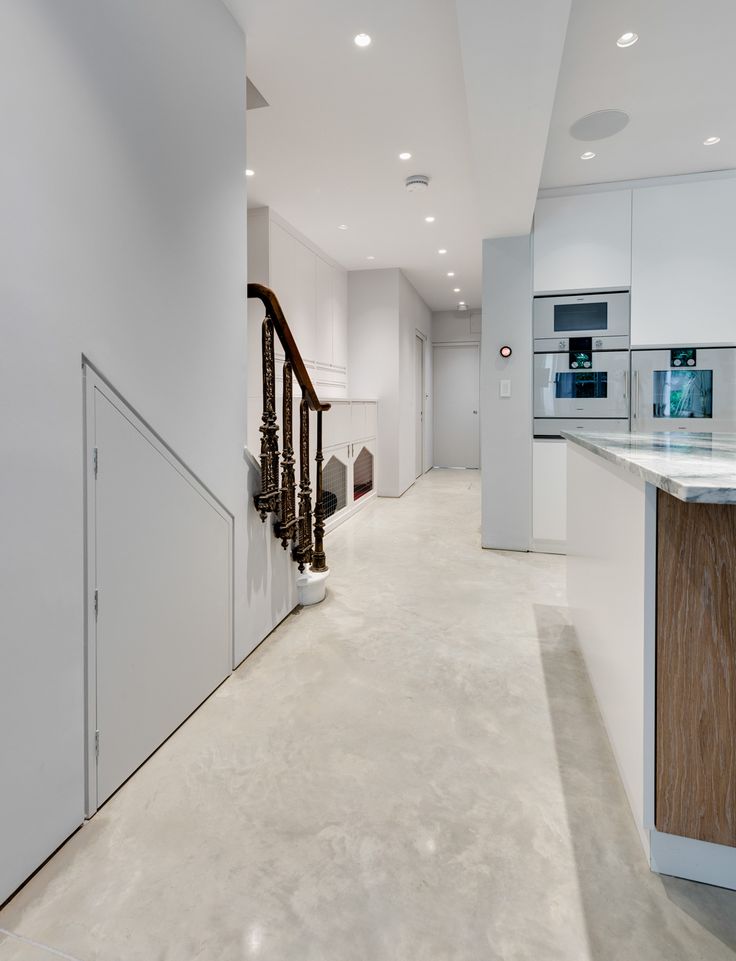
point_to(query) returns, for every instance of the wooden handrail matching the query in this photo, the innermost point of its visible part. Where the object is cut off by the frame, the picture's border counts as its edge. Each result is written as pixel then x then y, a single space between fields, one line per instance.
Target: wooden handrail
pixel 273 308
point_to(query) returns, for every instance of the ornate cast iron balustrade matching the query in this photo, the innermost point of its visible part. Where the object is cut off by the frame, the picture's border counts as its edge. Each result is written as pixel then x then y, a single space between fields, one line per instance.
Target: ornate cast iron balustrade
pixel 278 495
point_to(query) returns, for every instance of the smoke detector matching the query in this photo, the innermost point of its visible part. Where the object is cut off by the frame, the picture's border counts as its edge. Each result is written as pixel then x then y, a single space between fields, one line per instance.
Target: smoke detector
pixel 417 182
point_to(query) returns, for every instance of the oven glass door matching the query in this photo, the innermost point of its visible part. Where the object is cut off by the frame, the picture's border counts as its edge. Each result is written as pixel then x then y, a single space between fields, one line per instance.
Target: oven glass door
pixel 598 392
pixel 699 398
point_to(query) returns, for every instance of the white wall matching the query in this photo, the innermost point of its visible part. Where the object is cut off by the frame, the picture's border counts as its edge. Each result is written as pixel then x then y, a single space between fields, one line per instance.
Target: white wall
pixel 373 359
pixel 451 327
pixel 414 317
pixel 506 422
pixel 123 211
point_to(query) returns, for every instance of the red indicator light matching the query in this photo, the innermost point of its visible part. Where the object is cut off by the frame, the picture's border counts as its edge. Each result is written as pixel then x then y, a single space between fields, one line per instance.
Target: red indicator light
pixel 505 351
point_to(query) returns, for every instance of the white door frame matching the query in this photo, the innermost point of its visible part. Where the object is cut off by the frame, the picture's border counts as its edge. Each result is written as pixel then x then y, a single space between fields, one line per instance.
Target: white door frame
pixel 93 380
pixel 450 345
pixel 419 455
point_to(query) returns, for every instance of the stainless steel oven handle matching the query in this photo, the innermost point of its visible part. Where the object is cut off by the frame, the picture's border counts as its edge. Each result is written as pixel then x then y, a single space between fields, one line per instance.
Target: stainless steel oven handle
pixel 635 395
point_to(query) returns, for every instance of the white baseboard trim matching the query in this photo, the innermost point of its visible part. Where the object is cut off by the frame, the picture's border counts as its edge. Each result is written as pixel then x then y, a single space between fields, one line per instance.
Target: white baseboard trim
pixel 541 546
pixel 693 860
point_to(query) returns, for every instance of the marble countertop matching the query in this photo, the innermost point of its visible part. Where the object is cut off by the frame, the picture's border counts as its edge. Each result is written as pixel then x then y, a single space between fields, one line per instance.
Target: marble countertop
pixel 691 466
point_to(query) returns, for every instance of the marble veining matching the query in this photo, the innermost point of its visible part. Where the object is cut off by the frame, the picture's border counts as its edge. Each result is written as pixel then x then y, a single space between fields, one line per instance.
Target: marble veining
pixel 696 467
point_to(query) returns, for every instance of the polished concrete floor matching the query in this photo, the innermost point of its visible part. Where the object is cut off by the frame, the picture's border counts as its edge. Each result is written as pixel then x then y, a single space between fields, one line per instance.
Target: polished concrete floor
pixel 413 771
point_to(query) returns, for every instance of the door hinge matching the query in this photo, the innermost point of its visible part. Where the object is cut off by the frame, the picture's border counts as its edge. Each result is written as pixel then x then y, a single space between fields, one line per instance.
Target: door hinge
pixel 97 603
pixel 97 743
pixel 95 460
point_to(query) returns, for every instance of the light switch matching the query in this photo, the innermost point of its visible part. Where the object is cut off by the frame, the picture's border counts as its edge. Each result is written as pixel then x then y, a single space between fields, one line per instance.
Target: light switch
pixel 504 388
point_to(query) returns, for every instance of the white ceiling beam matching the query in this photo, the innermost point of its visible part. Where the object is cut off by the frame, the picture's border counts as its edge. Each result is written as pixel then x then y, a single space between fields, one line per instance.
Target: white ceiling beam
pixel 511 52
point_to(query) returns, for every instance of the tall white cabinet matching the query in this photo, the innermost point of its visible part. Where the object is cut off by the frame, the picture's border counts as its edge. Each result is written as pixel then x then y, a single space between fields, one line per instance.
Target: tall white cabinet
pixel 313 291
pixel 684 251
pixel 583 242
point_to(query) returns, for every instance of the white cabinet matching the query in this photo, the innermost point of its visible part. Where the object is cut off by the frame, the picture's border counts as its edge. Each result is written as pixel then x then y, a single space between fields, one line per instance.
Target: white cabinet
pixel 311 289
pixel 583 242
pixel 549 498
pixel 684 251
pixel 325 310
pixel 349 470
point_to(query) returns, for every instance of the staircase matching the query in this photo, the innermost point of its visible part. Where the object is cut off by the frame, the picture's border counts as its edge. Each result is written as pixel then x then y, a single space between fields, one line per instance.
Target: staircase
pixel 278 494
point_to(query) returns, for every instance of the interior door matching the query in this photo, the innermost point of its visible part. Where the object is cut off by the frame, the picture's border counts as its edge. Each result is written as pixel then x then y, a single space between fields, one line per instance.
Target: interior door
pixel 160 570
pixel 419 404
pixel 456 383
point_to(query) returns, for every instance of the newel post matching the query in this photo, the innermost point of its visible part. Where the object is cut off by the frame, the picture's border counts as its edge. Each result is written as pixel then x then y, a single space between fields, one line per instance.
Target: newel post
pixel 319 562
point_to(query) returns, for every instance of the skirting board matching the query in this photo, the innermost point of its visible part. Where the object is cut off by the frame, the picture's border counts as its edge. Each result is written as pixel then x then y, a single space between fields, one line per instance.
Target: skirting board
pixel 694 860
pixel 540 546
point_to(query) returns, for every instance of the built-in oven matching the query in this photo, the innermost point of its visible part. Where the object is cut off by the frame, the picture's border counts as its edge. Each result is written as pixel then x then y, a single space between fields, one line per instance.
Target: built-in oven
pixel 581 389
pixel 581 363
pixel 683 388
pixel 602 317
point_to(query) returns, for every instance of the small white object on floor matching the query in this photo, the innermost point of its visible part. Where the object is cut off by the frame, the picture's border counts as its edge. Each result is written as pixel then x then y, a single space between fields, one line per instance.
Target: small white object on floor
pixel 311 587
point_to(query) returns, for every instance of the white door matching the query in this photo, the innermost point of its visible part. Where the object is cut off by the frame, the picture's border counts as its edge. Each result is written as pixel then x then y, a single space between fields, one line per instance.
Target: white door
pixel 160 568
pixel 419 403
pixel 456 396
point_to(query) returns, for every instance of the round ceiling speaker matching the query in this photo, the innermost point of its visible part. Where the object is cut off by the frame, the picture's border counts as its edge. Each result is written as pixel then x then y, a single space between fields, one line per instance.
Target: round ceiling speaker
pixel 417 182
pixel 599 125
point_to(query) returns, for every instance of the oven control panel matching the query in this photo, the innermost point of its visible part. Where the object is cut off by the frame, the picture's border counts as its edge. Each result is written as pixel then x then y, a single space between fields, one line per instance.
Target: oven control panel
pixel 683 357
pixel 581 353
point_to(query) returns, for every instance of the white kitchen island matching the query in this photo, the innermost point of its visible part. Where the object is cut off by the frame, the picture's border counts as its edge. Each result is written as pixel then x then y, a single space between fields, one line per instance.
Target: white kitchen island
pixel 652 592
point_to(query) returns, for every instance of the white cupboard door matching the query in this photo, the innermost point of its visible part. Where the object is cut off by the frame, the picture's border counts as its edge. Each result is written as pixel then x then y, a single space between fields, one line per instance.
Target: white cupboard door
pixel 684 251
pixel 163 572
pixel 324 321
pixel 340 319
pixel 456 406
pixel 549 507
pixel 294 279
pixel 583 242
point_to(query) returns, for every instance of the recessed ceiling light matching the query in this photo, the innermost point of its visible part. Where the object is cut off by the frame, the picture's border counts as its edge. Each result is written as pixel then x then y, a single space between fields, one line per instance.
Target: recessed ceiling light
pixel 627 39
pixel 362 40
pixel 405 155
pixel 430 220
pixel 250 173
pixel 342 226
pixel 710 141
pixel 461 303
pixel 370 257
pixel 450 273
pixel 442 251
pixel 588 155
pixel 456 290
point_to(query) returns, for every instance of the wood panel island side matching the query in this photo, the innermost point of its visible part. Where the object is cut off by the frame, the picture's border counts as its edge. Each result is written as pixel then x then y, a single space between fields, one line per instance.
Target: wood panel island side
pixel 652 593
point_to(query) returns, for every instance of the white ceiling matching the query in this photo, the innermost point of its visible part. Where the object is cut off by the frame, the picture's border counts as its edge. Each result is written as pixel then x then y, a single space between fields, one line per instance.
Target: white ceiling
pixel 474 89
pixel 677 83
pixel 325 152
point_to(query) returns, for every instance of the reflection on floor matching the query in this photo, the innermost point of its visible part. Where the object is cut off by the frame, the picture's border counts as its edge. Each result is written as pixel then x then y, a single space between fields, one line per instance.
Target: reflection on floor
pixel 413 770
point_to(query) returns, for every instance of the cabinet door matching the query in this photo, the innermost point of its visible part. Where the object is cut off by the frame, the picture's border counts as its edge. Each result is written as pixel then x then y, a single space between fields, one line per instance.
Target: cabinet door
pixel 684 250
pixel 583 242
pixel 336 493
pixel 293 275
pixel 325 311
pixel 340 319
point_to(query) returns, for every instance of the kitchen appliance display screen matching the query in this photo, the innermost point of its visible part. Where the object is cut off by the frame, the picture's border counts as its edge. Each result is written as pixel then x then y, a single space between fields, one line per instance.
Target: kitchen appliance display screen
pixel 683 393
pixel 570 317
pixel 582 385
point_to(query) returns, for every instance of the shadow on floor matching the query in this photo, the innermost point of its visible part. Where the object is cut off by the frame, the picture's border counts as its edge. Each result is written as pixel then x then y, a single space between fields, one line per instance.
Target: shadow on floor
pixel 629 911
